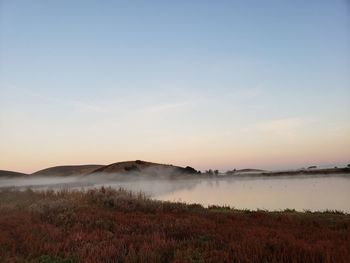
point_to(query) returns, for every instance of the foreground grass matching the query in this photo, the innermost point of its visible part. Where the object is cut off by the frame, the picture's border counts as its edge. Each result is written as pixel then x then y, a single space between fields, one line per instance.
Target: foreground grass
pixel 106 225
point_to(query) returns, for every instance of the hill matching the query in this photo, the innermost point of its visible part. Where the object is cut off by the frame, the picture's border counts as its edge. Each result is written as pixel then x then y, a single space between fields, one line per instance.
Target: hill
pixel 68 170
pixel 148 168
pixel 342 170
pixel 245 171
pixel 4 173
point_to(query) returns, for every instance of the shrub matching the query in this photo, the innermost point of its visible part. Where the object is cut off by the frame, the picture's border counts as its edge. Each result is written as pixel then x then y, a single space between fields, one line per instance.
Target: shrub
pixel 51 259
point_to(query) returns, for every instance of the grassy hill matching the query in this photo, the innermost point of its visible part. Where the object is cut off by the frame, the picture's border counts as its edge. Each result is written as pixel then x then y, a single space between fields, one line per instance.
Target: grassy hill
pixel 149 168
pixel 67 170
pixel 134 167
pixel 4 173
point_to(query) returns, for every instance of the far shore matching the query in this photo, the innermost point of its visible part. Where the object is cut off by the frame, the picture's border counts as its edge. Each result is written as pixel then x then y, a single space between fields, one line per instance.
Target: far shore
pixel 166 171
pixel 313 171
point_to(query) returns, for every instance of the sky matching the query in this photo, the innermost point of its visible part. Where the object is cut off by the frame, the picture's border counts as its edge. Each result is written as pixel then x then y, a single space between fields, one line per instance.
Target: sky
pixel 210 84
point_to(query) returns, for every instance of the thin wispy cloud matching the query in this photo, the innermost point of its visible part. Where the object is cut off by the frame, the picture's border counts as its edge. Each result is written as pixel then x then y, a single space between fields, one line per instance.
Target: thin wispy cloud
pixel 282 126
pixel 89 107
pixel 74 104
pixel 164 107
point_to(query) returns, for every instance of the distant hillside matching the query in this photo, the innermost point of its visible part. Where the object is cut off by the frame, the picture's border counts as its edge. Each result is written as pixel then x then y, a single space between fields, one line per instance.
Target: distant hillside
pixel 310 171
pixel 245 171
pixel 143 167
pixel 249 170
pixel 68 170
pixel 343 170
pixel 4 173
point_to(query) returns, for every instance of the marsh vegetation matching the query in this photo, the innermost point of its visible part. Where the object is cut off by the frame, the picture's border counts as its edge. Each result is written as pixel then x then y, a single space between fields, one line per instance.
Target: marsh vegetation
pixel 116 225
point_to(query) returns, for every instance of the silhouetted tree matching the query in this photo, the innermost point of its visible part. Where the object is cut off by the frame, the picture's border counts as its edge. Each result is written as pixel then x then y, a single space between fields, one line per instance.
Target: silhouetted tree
pixel 190 170
pixel 210 172
pixel 231 171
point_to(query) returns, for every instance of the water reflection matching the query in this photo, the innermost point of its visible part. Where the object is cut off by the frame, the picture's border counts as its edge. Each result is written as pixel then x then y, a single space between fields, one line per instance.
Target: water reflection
pixel 248 192
pixel 271 193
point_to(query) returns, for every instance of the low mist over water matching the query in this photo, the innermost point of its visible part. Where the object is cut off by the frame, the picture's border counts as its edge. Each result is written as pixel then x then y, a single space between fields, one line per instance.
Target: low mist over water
pixel 247 192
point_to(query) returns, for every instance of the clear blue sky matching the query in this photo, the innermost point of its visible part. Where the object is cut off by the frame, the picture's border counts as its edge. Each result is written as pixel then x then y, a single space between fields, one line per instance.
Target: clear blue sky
pixel 212 84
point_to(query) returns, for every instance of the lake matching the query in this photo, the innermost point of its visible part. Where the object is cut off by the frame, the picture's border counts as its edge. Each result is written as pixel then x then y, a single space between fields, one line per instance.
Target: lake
pixel 271 193
pixel 309 192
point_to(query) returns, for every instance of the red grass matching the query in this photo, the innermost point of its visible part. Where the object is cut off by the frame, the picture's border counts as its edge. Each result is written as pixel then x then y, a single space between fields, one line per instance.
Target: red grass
pixel 115 226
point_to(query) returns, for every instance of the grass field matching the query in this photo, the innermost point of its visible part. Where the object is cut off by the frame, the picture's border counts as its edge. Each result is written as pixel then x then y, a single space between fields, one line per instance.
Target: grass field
pixel 107 225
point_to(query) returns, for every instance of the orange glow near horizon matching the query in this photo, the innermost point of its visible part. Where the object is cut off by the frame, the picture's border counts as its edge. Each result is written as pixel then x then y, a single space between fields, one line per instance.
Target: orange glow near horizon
pixel 219 154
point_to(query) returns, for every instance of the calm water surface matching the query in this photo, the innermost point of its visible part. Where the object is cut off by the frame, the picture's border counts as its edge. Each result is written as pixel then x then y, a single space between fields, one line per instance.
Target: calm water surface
pixel 271 193
pixel 307 192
